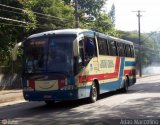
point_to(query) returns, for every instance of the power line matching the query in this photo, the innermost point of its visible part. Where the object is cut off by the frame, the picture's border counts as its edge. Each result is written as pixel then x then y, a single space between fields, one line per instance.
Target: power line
pixel 11 11
pixel 9 24
pixel 18 21
pixel 8 19
pixel 36 15
pixel 41 14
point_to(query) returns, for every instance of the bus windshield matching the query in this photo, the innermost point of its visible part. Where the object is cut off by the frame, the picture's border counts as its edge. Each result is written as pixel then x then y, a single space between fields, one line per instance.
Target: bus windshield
pixel 49 54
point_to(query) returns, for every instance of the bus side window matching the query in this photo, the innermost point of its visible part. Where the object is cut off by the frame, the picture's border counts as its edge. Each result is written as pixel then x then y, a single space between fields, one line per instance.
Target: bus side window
pixel 128 51
pixel 107 47
pixel 121 49
pixel 110 46
pixel 132 51
pixel 90 48
pixel 114 48
pixel 81 53
pixel 125 50
pixel 102 46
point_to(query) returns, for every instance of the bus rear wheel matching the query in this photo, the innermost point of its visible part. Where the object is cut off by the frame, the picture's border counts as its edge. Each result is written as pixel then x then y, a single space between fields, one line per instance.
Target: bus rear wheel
pixel 93 93
pixel 125 85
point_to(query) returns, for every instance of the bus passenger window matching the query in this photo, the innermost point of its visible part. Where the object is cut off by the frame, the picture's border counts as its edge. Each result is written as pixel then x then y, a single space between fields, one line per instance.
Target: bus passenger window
pixel 107 47
pixel 81 53
pixel 117 48
pixel 113 48
pixel 89 48
pixel 110 48
pixel 128 51
pixel 121 49
pixel 132 51
pixel 102 46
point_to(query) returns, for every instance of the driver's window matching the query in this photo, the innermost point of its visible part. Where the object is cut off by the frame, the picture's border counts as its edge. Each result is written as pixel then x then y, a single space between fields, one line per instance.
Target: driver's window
pixel 89 47
pixel 87 50
pixel 81 52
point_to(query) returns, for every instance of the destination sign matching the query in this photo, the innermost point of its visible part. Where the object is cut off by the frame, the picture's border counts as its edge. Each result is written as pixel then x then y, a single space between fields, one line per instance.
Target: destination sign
pixel 38 42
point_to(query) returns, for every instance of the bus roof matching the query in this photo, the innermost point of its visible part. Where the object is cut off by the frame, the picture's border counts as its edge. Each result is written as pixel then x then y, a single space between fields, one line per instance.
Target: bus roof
pixel 78 31
pixel 113 38
pixel 63 31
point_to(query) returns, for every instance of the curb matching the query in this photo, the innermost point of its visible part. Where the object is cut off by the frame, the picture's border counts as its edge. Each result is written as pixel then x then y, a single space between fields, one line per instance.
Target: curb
pixel 12 103
pixel 144 76
pixel 8 97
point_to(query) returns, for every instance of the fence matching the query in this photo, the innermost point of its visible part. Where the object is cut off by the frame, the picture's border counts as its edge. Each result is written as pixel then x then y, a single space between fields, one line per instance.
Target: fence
pixel 8 79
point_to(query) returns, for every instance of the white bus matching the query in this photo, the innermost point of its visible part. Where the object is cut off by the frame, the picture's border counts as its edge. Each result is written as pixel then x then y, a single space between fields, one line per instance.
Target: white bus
pixel 73 64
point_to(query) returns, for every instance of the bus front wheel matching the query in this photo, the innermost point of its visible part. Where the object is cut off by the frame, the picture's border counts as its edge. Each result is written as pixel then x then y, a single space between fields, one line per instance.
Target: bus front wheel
pixel 93 93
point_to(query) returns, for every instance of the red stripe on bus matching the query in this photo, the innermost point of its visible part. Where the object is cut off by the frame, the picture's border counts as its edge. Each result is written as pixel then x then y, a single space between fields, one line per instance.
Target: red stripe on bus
pixel 130 72
pixel 89 78
pixel 32 84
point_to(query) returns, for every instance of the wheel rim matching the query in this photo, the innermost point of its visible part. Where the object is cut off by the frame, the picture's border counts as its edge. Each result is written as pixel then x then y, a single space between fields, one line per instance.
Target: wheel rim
pixel 126 84
pixel 94 92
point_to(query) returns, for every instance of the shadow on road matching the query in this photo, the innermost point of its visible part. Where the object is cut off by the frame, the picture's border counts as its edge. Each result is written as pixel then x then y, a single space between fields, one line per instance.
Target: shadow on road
pixel 145 88
pixel 60 113
pixel 82 112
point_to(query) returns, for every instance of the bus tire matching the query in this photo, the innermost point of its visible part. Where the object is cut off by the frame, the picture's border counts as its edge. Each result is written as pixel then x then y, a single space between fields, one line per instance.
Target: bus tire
pixel 93 93
pixel 49 102
pixel 125 85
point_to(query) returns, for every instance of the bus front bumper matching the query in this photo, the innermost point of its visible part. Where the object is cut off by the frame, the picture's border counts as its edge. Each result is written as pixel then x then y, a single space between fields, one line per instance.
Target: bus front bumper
pixel 56 95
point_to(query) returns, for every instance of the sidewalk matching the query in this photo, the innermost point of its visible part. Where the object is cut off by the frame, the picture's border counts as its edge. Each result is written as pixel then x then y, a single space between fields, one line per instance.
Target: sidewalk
pixel 10 96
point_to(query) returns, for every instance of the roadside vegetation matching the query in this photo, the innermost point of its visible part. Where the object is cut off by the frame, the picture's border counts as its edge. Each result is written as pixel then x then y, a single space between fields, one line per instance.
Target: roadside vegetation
pixel 21 18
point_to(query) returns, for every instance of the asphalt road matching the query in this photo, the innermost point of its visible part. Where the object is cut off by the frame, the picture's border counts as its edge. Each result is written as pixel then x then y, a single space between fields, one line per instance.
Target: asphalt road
pixel 141 102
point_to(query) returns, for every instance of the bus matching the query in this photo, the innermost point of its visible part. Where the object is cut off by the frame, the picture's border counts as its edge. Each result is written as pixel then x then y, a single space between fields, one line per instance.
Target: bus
pixel 72 64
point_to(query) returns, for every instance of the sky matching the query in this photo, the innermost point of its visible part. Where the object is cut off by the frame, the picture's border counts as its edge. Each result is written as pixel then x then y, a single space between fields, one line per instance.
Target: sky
pixel 127 20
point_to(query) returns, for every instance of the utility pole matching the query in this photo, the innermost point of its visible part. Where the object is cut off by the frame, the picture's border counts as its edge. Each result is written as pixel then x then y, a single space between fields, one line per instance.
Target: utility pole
pixel 139 40
pixel 76 14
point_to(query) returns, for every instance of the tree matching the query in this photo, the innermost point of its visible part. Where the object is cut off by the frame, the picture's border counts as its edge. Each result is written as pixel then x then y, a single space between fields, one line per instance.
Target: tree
pixel 10 32
pixel 103 24
pixel 147 45
pixel 61 15
pixel 39 15
pixel 91 7
pixel 43 15
pixel 112 14
pixel 91 16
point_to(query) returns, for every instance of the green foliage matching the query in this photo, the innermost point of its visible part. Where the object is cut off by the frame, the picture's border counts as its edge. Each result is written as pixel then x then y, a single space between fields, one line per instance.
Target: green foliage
pixel 148 50
pixel 112 14
pixel 9 34
pixel 103 24
pixel 100 21
pixel 61 16
pixel 91 7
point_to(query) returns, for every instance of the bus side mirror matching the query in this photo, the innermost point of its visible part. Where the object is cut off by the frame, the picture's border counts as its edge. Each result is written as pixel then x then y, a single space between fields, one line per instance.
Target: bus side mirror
pixel 15 51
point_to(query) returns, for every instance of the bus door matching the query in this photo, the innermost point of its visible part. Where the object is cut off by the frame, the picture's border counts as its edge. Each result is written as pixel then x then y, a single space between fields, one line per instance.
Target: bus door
pixel 87 57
